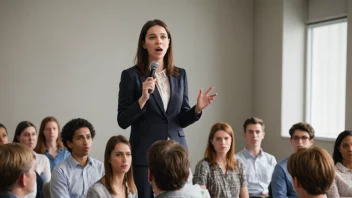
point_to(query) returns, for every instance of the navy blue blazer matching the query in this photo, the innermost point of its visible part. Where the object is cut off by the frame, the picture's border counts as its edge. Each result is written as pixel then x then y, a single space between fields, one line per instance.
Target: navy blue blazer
pixel 152 123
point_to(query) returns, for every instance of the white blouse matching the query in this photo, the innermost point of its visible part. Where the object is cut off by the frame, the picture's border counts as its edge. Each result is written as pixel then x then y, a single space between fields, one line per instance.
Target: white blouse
pixel 342 185
pixel 43 169
pixel 163 86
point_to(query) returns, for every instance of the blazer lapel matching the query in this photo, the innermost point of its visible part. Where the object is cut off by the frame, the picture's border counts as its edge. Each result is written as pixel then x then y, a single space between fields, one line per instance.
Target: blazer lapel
pixel 158 100
pixel 173 88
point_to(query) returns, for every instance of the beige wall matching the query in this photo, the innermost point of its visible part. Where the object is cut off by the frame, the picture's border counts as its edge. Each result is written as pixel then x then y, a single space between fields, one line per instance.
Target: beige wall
pixel 349 69
pixel 64 58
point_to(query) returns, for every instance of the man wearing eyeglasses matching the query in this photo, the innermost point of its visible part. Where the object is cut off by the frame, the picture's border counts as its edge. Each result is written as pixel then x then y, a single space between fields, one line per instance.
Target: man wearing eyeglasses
pixel 301 135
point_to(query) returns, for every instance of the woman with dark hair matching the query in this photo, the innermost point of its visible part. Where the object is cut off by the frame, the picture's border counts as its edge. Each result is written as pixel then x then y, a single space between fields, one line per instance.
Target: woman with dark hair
pixel 155 108
pixel 118 179
pixel 220 172
pixel 49 141
pixel 3 135
pixel 342 186
pixel 26 134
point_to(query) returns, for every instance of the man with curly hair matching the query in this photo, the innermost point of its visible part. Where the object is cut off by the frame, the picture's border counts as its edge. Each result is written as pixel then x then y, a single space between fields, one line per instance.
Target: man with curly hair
pixel 73 176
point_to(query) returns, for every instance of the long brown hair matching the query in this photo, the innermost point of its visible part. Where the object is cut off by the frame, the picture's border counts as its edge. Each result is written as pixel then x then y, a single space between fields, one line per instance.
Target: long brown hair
pixel 20 128
pixel 141 58
pixel 108 177
pixel 41 144
pixel 210 153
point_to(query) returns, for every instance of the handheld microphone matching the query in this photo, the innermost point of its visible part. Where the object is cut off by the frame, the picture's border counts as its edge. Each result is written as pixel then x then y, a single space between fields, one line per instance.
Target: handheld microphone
pixel 153 66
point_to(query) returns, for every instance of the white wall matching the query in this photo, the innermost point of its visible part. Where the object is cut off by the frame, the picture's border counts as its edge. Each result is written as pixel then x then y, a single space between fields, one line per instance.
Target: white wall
pixel 64 58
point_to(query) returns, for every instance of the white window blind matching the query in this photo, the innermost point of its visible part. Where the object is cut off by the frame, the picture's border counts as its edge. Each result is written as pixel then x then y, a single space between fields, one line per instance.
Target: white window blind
pixel 326 78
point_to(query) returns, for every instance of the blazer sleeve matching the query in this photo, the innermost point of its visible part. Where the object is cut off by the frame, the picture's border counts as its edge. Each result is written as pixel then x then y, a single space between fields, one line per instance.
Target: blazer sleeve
pixel 128 107
pixel 187 115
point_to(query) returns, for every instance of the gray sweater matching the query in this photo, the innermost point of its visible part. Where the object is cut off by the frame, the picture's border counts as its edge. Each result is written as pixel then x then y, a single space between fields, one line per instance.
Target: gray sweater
pixel 98 190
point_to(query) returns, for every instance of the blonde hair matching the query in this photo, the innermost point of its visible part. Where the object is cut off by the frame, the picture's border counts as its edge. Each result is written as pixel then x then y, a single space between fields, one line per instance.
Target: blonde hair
pixel 16 159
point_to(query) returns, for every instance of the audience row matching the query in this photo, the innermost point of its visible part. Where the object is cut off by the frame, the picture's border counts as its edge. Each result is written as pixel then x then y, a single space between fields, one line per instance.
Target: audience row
pixel 64 168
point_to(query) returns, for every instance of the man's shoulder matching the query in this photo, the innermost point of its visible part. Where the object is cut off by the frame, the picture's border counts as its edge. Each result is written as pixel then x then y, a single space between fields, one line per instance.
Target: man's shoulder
pixel 283 162
pixel 268 155
pixel 240 153
pixel 6 194
pixel 96 162
pixel 62 165
pixel 174 194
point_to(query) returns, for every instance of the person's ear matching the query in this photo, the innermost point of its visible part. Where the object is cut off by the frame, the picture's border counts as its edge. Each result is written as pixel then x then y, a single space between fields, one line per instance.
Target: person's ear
pixel 22 180
pixel 69 144
pixel 150 177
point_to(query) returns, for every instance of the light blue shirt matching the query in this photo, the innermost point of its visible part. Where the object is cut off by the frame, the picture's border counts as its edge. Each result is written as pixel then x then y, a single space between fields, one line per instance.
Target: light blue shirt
pixel 61 155
pixel 71 180
pixel 281 182
pixel 259 170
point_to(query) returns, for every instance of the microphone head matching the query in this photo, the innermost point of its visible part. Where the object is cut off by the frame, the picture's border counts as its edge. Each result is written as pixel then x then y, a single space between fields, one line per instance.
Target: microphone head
pixel 154 65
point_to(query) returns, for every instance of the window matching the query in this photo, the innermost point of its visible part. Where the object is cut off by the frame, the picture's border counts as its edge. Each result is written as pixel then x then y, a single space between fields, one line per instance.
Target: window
pixel 326 78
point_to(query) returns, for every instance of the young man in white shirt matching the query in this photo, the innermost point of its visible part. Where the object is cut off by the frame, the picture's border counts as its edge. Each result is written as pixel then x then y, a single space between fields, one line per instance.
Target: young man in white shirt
pixel 259 164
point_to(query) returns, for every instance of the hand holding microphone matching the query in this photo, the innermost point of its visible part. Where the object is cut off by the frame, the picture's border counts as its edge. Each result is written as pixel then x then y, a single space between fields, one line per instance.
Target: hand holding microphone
pixel 148 85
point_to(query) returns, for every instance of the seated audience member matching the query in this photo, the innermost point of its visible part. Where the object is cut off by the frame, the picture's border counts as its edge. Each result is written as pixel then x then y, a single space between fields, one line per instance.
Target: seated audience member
pixel 301 135
pixel 118 178
pixel 168 170
pixel 74 175
pixel 342 185
pixel 259 164
pixel 220 172
pixel 312 172
pixel 49 142
pixel 3 135
pixel 26 134
pixel 17 170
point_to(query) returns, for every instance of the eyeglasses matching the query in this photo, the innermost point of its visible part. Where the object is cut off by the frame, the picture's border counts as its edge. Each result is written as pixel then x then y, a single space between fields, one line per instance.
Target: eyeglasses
pixel 297 138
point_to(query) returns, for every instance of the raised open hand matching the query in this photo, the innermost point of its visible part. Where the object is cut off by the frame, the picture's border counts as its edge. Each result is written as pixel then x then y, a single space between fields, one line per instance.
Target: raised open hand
pixel 204 100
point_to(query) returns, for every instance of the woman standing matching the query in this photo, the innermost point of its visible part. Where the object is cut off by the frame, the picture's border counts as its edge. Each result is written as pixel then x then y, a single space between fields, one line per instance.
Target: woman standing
pixel 220 172
pixel 118 178
pixel 49 141
pixel 158 113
